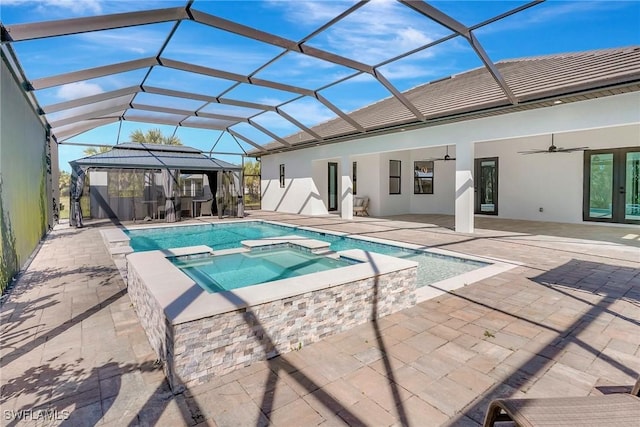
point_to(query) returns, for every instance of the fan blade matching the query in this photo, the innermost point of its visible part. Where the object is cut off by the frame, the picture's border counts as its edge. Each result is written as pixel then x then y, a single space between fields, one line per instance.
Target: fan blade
pixel 569 150
pixel 533 151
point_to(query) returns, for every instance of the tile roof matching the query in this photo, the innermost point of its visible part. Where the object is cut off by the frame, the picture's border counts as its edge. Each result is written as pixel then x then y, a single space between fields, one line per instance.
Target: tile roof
pixel 155 156
pixel 535 81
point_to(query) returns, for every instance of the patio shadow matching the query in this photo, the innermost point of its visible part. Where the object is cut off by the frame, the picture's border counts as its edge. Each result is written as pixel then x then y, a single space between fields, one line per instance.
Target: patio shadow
pixel 622 284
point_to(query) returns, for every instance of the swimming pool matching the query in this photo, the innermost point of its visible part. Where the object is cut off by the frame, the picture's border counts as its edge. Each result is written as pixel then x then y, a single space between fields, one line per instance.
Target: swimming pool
pixel 235 325
pixel 238 270
pixel 431 267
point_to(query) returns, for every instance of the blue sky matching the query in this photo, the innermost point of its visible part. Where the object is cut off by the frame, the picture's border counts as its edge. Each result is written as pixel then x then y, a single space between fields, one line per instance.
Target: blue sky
pixel 373 34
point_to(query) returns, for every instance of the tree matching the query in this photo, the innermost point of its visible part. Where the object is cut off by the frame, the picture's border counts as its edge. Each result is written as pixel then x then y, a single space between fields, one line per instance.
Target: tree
pixel 64 182
pixel 251 174
pixel 251 168
pixel 91 151
pixel 153 136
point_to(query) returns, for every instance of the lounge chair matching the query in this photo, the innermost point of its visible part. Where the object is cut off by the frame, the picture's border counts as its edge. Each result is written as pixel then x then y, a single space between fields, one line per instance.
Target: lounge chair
pixel 205 208
pixel 161 211
pixel 186 206
pixel 619 409
pixel 360 205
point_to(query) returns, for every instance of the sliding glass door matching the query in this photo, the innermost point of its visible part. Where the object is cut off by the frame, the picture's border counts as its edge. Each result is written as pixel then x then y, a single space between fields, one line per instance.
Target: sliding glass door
pixel 612 185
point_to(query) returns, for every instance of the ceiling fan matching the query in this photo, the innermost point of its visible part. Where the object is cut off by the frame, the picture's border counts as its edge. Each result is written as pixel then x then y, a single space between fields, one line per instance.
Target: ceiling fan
pixel 445 158
pixel 553 149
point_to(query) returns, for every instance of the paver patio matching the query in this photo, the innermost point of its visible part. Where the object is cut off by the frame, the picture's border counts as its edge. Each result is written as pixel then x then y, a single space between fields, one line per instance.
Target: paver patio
pixel 565 322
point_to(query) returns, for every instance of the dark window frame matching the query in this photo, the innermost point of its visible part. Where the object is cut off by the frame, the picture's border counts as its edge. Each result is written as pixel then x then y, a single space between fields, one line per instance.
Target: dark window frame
pixel 282 178
pixel 393 178
pixel 354 177
pixel 421 171
pixel 335 178
pixel 619 188
pixel 477 190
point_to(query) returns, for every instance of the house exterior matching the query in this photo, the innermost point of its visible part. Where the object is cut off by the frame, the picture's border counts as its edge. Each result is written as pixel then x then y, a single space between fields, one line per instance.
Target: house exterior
pixel 587 101
pixel 482 117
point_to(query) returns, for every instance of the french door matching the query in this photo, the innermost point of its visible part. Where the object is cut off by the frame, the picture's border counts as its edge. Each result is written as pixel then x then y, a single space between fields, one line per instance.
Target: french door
pixel 333 187
pixel 486 186
pixel 612 185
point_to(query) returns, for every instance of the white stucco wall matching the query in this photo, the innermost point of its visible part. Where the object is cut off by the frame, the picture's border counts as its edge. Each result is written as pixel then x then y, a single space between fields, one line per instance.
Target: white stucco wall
pixel 444 175
pixel 301 194
pixel 526 182
pixel 550 181
pixel 321 182
pixel 369 184
pixel 394 204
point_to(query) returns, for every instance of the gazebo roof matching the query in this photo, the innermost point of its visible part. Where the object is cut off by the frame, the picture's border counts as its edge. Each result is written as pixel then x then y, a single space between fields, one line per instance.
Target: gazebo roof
pixel 154 156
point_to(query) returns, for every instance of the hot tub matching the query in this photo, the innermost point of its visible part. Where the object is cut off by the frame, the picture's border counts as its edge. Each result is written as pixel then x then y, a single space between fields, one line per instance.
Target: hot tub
pixel 238 270
pixel 199 334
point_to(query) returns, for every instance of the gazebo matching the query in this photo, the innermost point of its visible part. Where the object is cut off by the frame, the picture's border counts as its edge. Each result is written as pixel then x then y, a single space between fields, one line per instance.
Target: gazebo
pixel 143 166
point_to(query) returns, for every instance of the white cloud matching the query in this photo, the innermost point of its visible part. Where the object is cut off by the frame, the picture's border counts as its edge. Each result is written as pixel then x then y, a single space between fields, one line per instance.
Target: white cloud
pixel 238 58
pixel 308 112
pixel 61 9
pixel 553 11
pixel 407 71
pixel 265 100
pixel 136 40
pixel 78 90
pixel 75 7
pixel 230 110
pixel 310 13
pixel 275 123
pixel 557 12
pixel 375 32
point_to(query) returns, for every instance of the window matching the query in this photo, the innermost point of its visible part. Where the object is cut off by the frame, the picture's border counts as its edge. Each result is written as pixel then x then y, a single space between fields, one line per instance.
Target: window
pixel 355 178
pixel 281 176
pixel 423 177
pixel 192 186
pixel 198 190
pixel 394 176
pixel 125 183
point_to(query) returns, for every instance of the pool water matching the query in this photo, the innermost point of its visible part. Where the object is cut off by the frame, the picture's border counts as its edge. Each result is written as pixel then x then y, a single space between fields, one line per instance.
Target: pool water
pixel 431 267
pixel 232 271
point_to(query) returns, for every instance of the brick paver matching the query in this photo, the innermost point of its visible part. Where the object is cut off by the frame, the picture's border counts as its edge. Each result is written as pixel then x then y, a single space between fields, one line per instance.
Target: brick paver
pixel 564 322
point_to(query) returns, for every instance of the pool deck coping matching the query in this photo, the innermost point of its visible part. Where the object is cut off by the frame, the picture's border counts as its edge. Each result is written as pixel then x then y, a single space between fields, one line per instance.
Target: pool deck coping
pixel 495 265
pixel 312 245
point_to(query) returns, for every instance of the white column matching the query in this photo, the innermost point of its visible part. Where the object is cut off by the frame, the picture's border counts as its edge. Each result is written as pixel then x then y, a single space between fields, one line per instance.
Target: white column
pixel 464 187
pixel 346 189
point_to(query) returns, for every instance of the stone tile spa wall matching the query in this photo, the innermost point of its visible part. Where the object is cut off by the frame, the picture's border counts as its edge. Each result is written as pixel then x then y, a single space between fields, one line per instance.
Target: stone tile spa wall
pixel 151 315
pixel 196 351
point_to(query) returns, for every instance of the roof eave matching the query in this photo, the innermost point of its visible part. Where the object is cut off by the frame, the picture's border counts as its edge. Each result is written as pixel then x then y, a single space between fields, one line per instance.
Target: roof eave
pixel 538 100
